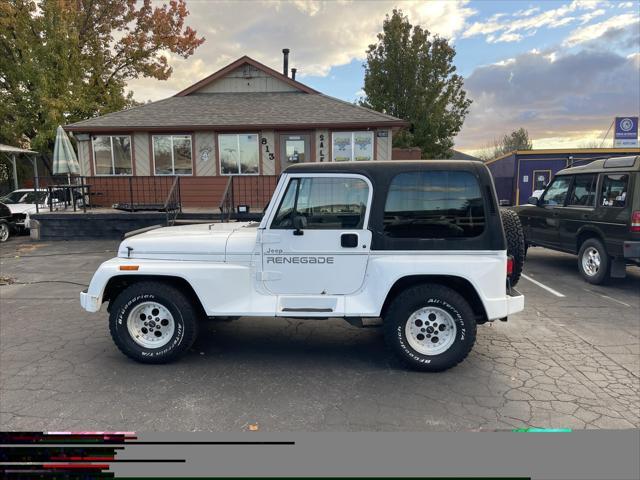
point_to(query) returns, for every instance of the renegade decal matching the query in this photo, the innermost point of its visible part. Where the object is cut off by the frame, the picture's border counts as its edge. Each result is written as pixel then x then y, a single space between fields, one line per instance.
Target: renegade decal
pixel 303 260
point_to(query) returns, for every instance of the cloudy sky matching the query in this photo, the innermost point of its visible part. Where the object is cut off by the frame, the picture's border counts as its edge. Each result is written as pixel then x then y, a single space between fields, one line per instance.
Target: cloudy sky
pixel 561 69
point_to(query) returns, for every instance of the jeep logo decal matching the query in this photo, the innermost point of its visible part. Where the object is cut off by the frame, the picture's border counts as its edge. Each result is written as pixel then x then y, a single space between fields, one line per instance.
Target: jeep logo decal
pixel 300 260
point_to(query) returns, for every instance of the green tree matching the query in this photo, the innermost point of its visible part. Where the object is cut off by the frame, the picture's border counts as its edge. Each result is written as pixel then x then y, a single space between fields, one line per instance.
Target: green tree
pixel 410 74
pixel 66 60
pixel 516 140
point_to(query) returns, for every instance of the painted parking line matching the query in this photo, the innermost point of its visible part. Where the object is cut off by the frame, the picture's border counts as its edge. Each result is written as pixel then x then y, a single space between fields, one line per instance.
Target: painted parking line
pixel 608 297
pixel 542 285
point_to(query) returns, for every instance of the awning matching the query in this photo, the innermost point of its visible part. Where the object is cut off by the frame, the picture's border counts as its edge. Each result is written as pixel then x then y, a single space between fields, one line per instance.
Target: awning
pixel 10 149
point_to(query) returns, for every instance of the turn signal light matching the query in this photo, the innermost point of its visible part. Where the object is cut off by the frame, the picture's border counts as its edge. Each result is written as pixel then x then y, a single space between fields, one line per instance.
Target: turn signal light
pixel 129 267
pixel 509 265
pixel 635 222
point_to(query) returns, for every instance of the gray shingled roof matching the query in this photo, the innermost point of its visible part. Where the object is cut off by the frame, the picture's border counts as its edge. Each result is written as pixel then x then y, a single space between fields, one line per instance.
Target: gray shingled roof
pixel 240 110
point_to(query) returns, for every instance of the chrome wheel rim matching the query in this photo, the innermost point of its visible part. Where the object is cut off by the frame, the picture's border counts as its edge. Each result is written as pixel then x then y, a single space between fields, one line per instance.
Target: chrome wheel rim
pixel 591 261
pixel 430 331
pixel 4 232
pixel 150 325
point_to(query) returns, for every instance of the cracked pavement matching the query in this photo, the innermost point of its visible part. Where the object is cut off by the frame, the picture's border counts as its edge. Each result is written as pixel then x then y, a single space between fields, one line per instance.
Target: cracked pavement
pixel 570 362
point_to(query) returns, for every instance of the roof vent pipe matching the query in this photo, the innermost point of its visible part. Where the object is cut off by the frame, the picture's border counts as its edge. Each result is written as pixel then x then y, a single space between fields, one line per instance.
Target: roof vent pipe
pixel 293 73
pixel 285 63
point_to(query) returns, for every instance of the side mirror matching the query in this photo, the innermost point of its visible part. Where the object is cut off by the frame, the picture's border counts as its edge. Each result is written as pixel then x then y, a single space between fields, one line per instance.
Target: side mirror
pixel 533 200
pixel 299 224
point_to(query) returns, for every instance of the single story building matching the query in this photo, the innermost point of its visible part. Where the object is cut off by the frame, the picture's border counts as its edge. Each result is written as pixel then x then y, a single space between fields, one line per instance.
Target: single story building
pixel 519 173
pixel 245 121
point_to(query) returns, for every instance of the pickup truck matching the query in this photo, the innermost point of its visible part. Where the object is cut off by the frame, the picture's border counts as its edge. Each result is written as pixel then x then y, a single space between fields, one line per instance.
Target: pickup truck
pixel 420 244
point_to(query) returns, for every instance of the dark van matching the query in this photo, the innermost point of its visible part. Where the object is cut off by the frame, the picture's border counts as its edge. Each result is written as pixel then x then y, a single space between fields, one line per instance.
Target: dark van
pixel 592 210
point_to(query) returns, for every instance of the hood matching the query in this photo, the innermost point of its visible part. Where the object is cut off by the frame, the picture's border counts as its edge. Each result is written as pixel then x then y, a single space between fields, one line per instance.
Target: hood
pixel 21 207
pixel 209 242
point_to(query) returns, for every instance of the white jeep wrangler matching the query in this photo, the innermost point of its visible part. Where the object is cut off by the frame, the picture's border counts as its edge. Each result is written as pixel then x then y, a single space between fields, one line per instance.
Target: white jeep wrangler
pixel 419 244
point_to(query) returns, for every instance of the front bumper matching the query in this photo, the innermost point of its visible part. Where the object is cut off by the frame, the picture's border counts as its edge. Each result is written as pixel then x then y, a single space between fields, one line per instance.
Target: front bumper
pixel 631 250
pixel 89 302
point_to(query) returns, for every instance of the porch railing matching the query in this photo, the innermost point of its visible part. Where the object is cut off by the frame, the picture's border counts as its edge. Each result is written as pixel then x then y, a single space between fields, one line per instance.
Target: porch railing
pixel 172 205
pixel 139 193
pixel 246 197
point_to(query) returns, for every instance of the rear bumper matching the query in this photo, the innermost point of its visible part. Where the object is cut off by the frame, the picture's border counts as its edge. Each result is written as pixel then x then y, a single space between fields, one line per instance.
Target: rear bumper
pixel 515 302
pixel 631 250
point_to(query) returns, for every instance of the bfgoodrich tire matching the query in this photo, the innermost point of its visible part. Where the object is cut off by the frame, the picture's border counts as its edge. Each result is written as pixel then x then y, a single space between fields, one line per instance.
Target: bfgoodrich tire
pixel 593 262
pixel 430 327
pixel 514 234
pixel 152 322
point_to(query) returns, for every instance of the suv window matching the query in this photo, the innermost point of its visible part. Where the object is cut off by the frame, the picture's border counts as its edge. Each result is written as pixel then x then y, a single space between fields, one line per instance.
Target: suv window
pixel 328 203
pixel 557 191
pixel 614 190
pixel 436 204
pixel 583 192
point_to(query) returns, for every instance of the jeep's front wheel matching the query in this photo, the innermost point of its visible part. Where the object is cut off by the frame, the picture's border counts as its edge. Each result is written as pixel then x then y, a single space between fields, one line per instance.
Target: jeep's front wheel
pixel 152 322
pixel 430 327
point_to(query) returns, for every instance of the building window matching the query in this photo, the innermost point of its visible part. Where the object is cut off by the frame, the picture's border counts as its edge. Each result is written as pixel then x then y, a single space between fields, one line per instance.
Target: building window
pixel 172 154
pixel 239 154
pixel 112 155
pixel 350 146
pixel 436 204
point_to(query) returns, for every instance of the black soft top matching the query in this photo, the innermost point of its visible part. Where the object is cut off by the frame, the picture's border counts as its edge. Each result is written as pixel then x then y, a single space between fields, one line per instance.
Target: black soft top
pixel 380 173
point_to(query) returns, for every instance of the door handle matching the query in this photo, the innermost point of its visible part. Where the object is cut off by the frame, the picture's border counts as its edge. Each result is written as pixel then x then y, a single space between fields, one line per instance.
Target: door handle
pixel 349 240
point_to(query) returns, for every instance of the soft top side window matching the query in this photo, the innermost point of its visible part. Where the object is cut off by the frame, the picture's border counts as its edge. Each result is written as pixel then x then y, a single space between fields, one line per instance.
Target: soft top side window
pixel 327 203
pixel 614 190
pixel 434 205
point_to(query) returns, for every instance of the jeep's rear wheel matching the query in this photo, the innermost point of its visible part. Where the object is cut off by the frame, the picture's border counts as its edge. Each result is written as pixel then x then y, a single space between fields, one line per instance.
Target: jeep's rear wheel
pixel 514 233
pixel 152 322
pixel 430 327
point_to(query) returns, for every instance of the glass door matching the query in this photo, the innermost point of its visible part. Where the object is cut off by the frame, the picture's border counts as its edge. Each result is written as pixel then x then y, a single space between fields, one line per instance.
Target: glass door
pixel 294 149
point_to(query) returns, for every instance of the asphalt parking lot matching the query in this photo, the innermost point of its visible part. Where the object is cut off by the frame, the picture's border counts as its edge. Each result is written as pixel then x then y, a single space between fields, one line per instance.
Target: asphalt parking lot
pixel 570 360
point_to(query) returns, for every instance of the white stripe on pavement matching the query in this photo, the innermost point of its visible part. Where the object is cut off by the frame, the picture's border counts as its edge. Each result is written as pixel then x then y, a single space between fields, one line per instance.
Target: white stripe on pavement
pixel 607 297
pixel 542 285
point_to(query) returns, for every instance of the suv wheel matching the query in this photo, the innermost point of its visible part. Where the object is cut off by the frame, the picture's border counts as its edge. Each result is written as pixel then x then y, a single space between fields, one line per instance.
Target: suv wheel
pixel 516 246
pixel 594 262
pixel 152 322
pixel 430 327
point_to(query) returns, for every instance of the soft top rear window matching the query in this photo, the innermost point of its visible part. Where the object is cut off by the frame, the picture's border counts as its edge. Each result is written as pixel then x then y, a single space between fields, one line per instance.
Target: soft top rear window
pixel 434 204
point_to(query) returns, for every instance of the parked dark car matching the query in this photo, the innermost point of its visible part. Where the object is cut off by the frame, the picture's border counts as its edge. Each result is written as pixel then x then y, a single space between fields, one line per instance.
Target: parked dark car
pixel 592 211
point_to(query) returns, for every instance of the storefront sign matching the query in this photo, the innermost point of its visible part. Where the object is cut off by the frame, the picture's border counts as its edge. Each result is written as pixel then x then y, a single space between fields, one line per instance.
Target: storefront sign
pixel 626 133
pixel 321 151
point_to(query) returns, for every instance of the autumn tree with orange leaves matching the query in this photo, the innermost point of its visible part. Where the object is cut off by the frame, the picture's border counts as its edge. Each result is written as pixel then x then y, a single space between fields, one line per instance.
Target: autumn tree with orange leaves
pixel 66 60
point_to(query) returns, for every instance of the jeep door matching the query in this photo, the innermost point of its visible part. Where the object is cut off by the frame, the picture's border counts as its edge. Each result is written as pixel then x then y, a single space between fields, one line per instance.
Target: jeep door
pixel 316 241
pixel 544 219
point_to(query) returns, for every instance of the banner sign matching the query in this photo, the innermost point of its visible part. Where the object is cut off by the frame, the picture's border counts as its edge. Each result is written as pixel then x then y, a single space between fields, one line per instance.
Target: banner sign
pixel 626 133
